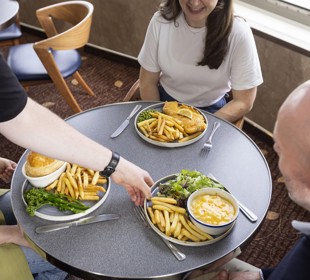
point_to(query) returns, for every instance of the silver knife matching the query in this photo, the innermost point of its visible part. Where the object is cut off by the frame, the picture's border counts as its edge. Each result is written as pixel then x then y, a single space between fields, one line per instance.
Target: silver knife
pixel 83 221
pixel 126 122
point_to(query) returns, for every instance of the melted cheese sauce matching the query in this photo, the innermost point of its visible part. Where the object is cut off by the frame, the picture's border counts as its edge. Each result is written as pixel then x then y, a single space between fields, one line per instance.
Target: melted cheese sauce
pixel 212 209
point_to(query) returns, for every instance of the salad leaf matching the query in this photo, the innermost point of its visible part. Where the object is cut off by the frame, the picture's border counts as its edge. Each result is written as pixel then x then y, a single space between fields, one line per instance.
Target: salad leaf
pixel 185 183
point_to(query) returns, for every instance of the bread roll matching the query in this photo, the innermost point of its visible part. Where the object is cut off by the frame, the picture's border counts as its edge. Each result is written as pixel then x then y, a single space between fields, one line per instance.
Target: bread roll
pixel 38 165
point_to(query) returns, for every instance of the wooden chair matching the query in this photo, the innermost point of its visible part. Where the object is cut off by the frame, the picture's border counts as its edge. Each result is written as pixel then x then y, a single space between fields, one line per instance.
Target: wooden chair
pixel 11 35
pixel 55 58
pixel 133 94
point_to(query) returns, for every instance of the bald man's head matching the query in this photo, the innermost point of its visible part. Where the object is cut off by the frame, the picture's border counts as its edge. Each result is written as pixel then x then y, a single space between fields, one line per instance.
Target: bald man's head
pixel 292 143
pixel 297 103
pixel 294 116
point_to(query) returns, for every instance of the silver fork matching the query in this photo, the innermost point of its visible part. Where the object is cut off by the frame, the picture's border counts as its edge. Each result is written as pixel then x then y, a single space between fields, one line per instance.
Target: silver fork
pixel 141 217
pixel 207 146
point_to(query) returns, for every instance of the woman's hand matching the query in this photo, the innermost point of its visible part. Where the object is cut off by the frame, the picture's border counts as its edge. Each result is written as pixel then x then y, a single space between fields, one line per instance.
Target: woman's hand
pixel 7 168
pixel 135 180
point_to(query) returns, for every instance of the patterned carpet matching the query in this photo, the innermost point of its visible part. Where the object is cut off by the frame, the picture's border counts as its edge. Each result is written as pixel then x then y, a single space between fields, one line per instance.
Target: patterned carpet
pixel 110 79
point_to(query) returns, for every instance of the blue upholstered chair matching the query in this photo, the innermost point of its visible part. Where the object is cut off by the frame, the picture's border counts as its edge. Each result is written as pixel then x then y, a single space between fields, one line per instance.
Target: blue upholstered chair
pixel 55 58
pixel 11 35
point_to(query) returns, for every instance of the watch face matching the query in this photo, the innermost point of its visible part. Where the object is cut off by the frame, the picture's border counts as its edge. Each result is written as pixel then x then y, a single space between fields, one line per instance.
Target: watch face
pixel 107 172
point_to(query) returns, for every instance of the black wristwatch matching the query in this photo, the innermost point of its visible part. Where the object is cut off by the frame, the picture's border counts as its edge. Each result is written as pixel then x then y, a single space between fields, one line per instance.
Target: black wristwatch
pixel 110 168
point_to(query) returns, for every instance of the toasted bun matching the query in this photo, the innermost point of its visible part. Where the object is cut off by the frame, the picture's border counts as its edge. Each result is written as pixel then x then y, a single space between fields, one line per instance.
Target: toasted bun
pixel 38 165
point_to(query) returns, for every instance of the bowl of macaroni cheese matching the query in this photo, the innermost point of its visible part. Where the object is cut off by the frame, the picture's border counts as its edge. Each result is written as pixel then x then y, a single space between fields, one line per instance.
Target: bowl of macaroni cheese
pixel 212 210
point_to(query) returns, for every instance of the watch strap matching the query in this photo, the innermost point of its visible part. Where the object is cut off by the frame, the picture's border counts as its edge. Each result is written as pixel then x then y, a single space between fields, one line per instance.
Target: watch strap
pixel 110 168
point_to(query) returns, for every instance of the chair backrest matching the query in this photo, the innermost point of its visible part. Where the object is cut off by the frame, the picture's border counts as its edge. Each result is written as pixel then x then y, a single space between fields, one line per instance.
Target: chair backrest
pixel 77 13
pixel 134 94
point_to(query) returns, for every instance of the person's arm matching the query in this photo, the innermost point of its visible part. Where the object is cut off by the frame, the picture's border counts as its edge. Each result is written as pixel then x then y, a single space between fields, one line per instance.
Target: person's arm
pixel 240 105
pixel 42 131
pixel 12 234
pixel 149 85
pixel 7 168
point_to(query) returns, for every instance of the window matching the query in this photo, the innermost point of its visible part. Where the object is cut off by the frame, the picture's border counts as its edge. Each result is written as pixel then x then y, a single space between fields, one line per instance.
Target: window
pixel 297 10
pixel 304 4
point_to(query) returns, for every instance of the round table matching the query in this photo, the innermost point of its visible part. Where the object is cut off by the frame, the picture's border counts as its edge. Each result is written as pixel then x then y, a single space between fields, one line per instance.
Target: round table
pixel 125 248
pixel 8 13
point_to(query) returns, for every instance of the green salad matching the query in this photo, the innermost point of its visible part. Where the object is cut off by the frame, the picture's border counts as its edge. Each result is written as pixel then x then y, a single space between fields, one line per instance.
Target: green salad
pixel 185 183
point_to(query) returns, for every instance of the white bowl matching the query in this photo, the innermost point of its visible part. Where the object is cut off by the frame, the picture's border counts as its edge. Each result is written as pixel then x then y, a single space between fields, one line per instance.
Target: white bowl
pixel 43 181
pixel 208 227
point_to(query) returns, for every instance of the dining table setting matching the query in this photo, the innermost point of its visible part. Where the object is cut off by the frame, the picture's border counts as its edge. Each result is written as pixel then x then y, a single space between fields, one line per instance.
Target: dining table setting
pixel 186 151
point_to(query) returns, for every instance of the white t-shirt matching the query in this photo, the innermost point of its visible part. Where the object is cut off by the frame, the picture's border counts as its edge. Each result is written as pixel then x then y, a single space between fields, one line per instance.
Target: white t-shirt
pixel 175 51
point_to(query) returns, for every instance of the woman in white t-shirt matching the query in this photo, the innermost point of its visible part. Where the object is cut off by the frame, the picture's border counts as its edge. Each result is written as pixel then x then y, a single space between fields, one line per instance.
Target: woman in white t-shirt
pixel 195 52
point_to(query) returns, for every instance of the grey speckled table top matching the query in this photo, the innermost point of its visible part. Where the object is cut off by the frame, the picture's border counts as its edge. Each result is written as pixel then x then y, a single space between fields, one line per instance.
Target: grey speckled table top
pixel 124 248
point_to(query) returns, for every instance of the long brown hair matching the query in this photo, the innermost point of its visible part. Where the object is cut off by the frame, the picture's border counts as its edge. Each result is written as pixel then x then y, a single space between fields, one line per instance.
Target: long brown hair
pixel 219 24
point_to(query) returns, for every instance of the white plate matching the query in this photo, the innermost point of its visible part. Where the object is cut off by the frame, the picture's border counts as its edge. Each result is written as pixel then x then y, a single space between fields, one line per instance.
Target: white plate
pixel 51 213
pixel 147 203
pixel 159 107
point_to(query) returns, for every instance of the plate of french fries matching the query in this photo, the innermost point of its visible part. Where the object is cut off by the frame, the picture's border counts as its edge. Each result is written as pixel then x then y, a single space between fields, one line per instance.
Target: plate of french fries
pixel 81 184
pixel 171 221
pixel 171 124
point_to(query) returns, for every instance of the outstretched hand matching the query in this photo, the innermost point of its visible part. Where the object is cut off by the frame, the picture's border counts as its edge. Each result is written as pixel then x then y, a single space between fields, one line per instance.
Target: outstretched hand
pixel 7 168
pixel 135 180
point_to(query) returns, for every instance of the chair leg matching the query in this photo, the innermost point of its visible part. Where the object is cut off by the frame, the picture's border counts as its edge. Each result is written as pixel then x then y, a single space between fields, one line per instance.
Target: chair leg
pixel 16 42
pixel 67 95
pixel 7 43
pixel 81 81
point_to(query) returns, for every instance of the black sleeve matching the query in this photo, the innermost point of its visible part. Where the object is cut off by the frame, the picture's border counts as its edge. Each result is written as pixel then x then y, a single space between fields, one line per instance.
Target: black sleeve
pixel 13 97
pixel 267 272
pixel 295 265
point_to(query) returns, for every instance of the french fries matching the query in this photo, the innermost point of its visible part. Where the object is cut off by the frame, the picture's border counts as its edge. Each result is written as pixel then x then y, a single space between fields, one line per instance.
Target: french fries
pixel 79 183
pixel 172 220
pixel 164 128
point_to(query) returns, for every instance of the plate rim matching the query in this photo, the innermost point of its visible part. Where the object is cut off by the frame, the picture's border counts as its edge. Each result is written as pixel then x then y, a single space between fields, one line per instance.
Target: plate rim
pixel 169 144
pixel 174 240
pixel 70 216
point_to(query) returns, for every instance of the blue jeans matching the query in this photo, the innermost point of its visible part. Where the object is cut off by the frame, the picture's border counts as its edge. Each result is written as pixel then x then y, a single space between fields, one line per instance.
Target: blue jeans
pixel 42 269
pixel 39 267
pixel 164 96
